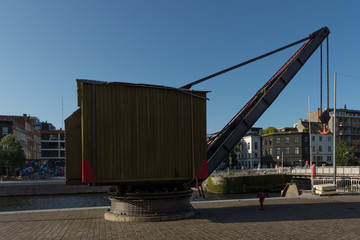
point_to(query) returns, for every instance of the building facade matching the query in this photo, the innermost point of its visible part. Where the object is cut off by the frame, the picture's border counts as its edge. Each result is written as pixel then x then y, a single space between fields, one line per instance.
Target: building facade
pixel 249 152
pixel 52 144
pixel 322 150
pixel 321 144
pixel 347 127
pixel 285 148
pixel 22 127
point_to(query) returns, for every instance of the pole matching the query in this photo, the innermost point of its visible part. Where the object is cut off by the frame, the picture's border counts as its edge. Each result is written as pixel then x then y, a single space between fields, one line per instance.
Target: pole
pixel 334 131
pixel 93 133
pixel 310 146
pixel 282 162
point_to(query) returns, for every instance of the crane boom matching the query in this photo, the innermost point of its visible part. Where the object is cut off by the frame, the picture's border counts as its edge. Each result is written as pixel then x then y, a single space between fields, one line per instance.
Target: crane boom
pixel 226 140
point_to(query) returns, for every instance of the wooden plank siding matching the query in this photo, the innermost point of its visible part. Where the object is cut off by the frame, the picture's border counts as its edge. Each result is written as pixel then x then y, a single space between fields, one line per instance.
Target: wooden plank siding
pixel 73 149
pixel 143 133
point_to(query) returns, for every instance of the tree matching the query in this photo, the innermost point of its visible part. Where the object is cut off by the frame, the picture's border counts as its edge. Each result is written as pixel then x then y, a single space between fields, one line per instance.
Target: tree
pixel 342 148
pixel 11 153
pixel 269 130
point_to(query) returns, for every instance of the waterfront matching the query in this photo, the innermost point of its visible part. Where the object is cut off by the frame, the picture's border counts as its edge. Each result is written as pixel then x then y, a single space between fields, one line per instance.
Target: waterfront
pixel 42 202
pixel 20 203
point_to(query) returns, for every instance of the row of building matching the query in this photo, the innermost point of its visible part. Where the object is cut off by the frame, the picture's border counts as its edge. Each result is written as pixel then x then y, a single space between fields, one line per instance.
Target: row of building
pixel 290 146
pixel 41 141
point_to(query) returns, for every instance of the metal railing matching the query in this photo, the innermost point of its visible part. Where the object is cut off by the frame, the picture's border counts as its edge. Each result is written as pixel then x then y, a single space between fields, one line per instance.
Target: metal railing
pixel 347 185
pixel 341 171
pixel 255 171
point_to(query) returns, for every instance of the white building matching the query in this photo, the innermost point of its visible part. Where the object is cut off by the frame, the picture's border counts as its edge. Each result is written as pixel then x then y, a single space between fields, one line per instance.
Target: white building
pixel 321 144
pixel 322 148
pixel 249 154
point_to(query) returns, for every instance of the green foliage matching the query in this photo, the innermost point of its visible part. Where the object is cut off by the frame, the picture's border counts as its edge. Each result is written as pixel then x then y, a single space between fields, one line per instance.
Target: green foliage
pixel 236 185
pixel 11 153
pixel 341 148
pixel 305 130
pixel 269 130
pixel 217 188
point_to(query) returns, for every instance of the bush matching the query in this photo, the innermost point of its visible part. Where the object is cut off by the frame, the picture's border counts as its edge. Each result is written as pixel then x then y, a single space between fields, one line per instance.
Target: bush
pixel 269 130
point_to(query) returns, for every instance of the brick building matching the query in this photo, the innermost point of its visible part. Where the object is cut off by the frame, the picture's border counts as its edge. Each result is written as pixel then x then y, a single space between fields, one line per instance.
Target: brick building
pixel 22 127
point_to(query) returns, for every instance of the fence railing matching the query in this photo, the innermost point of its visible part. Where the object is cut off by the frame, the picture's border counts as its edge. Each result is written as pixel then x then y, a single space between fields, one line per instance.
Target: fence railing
pixel 343 171
pixel 350 185
pixel 254 171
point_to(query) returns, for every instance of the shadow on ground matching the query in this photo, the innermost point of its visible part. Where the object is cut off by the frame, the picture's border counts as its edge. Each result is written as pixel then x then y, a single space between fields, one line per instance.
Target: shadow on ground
pixel 280 212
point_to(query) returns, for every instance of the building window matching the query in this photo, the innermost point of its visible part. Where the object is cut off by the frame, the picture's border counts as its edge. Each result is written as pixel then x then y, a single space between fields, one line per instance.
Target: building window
pixel 329 148
pixel 287 140
pixel 296 139
pixel 5 130
pixel 277 140
pixel 320 138
pixel 329 139
pixel 313 138
pixel 287 151
pixel 270 150
pixel 328 158
pixel 256 145
pixel 248 145
pixel 306 150
pixel 270 141
pixel 297 150
pixel 313 148
pixel 305 139
pixel 256 155
pixel 277 151
pixel 320 148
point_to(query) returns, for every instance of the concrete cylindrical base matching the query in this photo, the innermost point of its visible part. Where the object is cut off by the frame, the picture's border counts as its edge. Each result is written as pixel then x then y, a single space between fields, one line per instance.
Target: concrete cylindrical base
pixel 150 218
pixel 149 207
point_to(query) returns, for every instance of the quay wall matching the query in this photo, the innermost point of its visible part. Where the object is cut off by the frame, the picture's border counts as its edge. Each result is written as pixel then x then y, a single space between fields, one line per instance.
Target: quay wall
pixel 48 189
pixel 247 184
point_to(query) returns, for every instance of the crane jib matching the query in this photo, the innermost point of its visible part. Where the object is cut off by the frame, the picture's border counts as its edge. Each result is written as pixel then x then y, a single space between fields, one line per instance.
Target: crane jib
pixel 224 142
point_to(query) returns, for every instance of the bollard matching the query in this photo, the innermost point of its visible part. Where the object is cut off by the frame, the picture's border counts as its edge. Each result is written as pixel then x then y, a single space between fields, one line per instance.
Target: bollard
pixel 261 200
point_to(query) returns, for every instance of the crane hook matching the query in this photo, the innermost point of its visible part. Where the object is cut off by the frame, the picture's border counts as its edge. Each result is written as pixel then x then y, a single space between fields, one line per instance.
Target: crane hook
pixel 325 131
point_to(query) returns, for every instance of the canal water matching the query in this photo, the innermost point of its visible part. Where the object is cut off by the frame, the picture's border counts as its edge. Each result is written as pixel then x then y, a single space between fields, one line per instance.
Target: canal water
pixel 89 200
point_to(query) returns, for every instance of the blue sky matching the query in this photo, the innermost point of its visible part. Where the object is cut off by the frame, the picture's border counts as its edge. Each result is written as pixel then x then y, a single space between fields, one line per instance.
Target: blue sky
pixel 46 45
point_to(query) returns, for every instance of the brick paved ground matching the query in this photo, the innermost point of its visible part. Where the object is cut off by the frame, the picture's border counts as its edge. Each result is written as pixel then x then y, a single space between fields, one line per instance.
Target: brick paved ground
pixel 296 218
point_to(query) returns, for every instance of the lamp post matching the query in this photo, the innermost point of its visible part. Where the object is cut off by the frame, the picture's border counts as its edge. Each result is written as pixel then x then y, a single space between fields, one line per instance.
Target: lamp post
pixel 310 146
pixel 334 131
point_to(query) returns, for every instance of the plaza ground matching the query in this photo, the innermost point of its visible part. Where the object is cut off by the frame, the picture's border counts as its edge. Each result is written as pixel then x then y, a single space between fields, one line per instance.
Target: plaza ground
pixel 304 217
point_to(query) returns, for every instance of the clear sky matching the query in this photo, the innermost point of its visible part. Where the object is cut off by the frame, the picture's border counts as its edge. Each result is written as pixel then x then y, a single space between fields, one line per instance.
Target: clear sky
pixel 46 45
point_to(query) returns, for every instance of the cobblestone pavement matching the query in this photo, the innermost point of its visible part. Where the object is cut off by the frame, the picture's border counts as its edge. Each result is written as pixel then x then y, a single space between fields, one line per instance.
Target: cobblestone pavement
pixel 335 217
